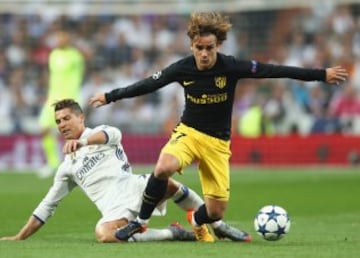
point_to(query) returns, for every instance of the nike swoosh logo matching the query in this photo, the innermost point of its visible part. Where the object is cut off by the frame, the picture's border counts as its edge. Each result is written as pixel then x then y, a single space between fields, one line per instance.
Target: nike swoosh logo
pixel 187 83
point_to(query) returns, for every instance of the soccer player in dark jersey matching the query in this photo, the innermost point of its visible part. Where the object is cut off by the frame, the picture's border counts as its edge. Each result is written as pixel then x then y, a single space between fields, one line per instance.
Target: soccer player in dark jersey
pixel 209 79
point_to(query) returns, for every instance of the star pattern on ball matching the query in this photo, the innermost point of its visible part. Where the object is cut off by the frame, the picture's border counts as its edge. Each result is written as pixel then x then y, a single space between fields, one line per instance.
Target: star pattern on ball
pixel 273 215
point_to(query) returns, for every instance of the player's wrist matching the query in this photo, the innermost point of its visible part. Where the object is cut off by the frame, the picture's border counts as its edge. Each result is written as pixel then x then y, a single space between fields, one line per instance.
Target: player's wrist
pixel 83 142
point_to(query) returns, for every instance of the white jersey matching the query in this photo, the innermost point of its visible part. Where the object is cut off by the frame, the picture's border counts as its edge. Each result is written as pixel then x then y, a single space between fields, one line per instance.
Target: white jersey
pixel 104 175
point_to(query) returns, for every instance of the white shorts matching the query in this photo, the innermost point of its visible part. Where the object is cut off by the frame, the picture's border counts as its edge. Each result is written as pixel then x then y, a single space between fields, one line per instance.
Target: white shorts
pixel 126 200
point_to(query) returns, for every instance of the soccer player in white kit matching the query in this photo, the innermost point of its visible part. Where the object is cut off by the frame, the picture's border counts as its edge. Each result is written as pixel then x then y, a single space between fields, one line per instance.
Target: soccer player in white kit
pixel 96 162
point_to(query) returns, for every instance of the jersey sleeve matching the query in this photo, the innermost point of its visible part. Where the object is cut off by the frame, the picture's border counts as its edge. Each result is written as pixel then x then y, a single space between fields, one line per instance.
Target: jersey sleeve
pixel 142 87
pixel 62 186
pixel 254 69
pixel 113 134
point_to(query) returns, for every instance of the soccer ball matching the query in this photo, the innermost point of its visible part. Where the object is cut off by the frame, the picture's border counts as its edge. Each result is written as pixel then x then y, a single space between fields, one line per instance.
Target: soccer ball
pixel 272 222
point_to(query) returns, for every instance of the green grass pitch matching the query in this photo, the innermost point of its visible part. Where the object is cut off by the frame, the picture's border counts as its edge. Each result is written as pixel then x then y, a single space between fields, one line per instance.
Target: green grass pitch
pixel 323 204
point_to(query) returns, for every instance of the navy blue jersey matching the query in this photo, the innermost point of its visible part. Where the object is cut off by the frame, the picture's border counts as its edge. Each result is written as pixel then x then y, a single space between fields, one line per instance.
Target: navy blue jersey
pixel 209 94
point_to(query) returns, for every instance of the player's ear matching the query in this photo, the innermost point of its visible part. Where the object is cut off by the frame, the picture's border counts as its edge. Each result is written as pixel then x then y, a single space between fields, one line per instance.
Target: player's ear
pixel 82 117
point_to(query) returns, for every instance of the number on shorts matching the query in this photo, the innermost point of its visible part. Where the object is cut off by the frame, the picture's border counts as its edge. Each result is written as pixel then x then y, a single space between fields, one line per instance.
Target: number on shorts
pixel 178 136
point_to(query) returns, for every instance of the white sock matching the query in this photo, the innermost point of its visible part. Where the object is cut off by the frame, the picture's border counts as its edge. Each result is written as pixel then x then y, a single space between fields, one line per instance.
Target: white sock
pixel 152 235
pixel 187 199
pixel 142 221
pixel 216 224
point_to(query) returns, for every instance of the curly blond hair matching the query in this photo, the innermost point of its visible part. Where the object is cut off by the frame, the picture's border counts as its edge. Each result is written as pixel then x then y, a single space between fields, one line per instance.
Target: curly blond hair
pixel 203 23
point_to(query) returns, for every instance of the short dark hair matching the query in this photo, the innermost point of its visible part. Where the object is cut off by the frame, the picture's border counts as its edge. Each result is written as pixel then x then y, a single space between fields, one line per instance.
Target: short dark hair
pixel 68 103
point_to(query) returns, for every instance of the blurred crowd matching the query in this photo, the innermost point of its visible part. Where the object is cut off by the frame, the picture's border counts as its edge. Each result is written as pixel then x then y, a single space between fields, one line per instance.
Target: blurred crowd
pixel 120 50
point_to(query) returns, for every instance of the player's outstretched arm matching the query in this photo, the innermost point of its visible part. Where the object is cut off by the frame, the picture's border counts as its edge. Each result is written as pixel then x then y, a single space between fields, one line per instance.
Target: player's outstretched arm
pixel 32 225
pixel 101 137
pixel 98 100
pixel 336 75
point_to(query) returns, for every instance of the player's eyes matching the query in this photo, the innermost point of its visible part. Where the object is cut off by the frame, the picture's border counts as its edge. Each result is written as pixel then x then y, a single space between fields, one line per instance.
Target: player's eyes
pixel 207 48
pixel 66 118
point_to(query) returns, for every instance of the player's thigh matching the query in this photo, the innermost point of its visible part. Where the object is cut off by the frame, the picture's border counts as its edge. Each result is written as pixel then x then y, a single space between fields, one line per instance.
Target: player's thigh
pixel 105 232
pixel 214 169
pixel 182 146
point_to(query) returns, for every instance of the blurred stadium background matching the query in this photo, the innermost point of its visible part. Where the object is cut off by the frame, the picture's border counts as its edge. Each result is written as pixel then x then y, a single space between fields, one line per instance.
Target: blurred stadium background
pixel 123 41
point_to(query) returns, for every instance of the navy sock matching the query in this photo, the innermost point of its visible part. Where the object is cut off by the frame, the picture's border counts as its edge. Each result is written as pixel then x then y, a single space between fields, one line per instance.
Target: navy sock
pixel 154 192
pixel 201 216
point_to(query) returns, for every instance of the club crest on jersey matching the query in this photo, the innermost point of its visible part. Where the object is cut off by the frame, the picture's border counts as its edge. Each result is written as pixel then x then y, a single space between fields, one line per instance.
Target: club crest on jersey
pixel 220 81
pixel 156 75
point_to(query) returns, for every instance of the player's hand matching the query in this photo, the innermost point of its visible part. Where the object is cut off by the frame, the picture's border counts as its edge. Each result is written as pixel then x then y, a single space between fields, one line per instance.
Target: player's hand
pixel 71 146
pixel 336 75
pixel 97 100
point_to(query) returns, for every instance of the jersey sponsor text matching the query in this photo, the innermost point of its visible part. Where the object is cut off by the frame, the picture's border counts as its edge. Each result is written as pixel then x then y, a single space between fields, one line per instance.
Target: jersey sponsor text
pixel 208 99
pixel 88 164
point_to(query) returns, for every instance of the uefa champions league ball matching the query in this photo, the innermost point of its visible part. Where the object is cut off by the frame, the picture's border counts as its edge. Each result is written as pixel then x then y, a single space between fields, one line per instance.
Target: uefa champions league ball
pixel 272 222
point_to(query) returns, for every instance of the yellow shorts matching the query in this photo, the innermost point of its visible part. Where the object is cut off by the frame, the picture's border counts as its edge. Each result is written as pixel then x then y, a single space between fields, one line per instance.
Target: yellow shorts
pixel 212 154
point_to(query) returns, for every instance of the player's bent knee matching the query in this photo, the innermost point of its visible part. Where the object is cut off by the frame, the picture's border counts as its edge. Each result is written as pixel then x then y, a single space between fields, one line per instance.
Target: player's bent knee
pixel 105 237
pixel 101 238
pixel 163 173
pixel 105 232
pixel 166 166
pixel 99 234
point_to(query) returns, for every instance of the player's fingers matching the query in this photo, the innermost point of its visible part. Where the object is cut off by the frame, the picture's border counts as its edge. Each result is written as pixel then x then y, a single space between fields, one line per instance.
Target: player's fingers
pixel 95 102
pixel 66 149
pixel 336 75
pixel 69 147
pixel 342 71
pixel 92 101
pixel 74 145
pixel 341 76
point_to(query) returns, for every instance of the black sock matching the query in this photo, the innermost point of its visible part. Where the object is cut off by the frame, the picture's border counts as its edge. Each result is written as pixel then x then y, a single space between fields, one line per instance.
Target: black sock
pixel 154 192
pixel 201 216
